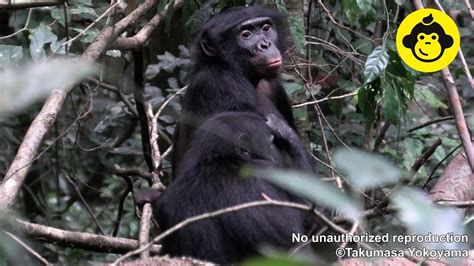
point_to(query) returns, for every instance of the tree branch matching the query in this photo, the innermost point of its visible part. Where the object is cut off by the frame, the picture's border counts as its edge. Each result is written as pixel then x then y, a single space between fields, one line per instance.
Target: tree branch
pixel 20 166
pixel 86 241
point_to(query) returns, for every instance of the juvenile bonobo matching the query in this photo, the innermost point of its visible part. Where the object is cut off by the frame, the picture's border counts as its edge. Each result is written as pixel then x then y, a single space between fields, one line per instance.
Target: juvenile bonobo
pixel 237 58
pixel 210 180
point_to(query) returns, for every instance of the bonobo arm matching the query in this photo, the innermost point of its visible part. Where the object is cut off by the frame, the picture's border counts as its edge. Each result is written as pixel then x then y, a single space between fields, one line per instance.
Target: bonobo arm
pixel 286 136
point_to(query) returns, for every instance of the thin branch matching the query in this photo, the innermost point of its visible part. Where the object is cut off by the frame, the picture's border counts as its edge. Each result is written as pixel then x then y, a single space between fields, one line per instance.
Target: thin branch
pixel 325 99
pixel 320 3
pixel 21 164
pixel 111 8
pixel 147 212
pixel 124 195
pixel 461 124
pixel 455 102
pixel 85 204
pixel 425 156
pixel 434 121
pixel 469 8
pixel 459 204
pixel 132 172
pixel 165 103
pixel 25 28
pixel 140 38
pixel 144 233
pixel 28 248
pixel 465 67
pixel 381 136
pixel 351 232
pixel 208 215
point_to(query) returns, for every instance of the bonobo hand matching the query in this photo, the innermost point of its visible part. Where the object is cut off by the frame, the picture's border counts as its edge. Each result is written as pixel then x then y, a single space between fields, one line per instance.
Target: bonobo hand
pixel 285 136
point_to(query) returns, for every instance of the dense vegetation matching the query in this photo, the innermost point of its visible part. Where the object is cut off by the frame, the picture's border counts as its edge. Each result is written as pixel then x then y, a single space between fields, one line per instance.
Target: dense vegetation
pixel 384 133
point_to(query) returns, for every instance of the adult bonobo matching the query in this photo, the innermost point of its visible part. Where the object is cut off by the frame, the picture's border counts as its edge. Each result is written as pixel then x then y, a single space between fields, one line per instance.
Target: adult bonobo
pixel 210 180
pixel 237 63
pixel 235 113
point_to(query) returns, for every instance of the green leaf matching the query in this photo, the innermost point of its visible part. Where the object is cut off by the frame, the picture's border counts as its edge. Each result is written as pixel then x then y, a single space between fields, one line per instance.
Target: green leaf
pixel 365 170
pixel 364 5
pixel 298 34
pixel 83 2
pixel 363 45
pixel 41 36
pixel 396 67
pixel 169 15
pixel 425 94
pixel 351 10
pixel 413 148
pixel 88 36
pixel 311 188
pixel 58 13
pixel 10 54
pixel 17 92
pixel 81 9
pixel 376 64
pixel 393 105
pixel 367 102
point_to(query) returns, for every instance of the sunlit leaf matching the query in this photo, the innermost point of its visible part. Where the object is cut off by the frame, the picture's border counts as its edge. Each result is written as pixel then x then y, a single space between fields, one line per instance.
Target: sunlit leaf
pixel 41 36
pixel 422 217
pixel 313 189
pixel 425 94
pixel 81 9
pixel 375 64
pixel 365 170
pixel 10 54
pixel 22 86
pixel 364 5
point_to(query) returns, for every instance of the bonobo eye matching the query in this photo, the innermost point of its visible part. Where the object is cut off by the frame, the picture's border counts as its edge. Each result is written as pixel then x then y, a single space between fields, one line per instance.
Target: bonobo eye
pixel 421 36
pixel 245 34
pixel 434 36
pixel 266 28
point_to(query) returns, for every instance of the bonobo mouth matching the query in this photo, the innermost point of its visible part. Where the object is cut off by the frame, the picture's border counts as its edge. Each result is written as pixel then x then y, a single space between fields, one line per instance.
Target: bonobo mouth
pixel 273 64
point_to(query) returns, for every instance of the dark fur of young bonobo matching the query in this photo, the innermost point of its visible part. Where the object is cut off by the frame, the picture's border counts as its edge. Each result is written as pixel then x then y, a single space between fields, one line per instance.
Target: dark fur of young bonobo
pixel 210 180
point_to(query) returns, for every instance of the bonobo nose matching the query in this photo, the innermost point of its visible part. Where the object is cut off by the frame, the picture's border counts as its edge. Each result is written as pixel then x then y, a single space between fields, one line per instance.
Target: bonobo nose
pixel 263 45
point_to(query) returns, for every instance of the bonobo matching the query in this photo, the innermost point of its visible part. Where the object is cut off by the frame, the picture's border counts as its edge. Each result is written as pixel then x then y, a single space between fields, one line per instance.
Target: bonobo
pixel 210 181
pixel 237 58
pixel 235 113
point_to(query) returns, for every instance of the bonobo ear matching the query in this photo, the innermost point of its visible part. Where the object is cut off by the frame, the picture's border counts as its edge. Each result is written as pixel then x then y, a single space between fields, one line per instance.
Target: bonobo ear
pixel 244 145
pixel 207 44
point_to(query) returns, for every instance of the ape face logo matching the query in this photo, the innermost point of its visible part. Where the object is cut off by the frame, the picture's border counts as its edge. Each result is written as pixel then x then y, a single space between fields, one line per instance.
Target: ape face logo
pixel 428 40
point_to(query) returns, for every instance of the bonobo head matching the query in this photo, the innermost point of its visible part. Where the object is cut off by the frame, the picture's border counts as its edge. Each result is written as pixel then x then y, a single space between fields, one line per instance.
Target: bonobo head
pixel 237 137
pixel 248 39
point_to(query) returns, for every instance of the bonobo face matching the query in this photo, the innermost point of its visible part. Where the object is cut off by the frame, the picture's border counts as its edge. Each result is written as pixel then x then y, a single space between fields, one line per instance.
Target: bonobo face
pixel 259 37
pixel 428 48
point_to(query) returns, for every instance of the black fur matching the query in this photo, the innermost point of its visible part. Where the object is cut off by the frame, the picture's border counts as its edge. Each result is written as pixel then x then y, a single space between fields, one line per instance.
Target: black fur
pixel 231 117
pixel 226 82
pixel 210 181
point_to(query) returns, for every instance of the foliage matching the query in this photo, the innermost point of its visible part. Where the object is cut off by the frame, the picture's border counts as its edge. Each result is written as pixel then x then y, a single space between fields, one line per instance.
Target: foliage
pixel 345 49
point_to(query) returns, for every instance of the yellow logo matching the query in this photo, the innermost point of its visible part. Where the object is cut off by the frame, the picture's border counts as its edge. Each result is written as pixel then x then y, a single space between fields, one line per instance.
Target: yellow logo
pixel 428 40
